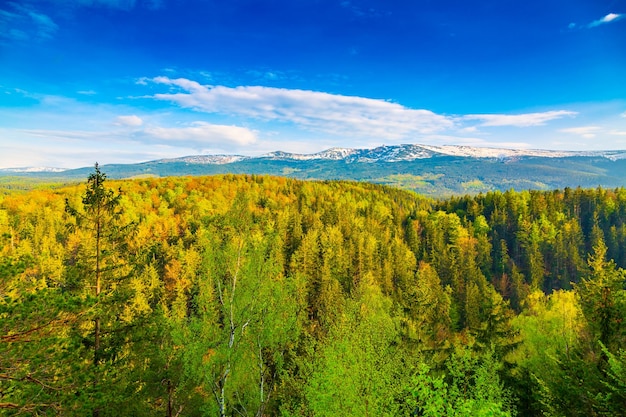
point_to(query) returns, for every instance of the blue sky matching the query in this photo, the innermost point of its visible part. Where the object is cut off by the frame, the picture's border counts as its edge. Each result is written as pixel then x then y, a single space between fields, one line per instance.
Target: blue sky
pixel 121 81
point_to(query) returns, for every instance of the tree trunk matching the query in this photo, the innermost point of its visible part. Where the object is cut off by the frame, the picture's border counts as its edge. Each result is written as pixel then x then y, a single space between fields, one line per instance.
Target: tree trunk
pixel 96 349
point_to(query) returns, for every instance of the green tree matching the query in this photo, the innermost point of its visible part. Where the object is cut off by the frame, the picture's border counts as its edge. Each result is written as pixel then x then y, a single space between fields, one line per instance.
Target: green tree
pixel 603 299
pixel 551 328
pixel 471 387
pixel 359 370
pixel 35 356
pixel 97 269
pixel 427 307
pixel 240 319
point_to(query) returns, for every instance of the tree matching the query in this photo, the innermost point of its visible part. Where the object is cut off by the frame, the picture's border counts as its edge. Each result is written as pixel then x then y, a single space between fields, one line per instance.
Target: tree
pixel 97 269
pixel 472 387
pixel 427 306
pixel 603 299
pixel 550 327
pixel 359 370
pixel 34 359
pixel 241 315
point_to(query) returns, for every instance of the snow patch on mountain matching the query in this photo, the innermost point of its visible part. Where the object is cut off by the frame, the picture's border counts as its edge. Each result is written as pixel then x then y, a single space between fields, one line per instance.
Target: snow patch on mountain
pixel 335 154
pixel 400 153
pixel 206 159
pixel 477 152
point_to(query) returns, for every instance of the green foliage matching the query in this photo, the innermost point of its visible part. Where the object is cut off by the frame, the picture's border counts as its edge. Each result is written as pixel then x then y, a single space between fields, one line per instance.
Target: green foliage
pixel 360 368
pixel 99 274
pixel 615 399
pixel 35 354
pixel 254 295
pixel 603 299
pixel 471 387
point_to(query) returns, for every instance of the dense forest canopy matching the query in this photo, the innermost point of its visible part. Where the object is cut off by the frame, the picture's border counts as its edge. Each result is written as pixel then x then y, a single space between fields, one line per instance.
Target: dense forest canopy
pixel 257 296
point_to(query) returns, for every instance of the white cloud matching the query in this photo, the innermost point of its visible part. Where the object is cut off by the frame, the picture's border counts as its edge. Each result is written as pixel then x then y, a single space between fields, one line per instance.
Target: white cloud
pixel 611 17
pixel 32 150
pixel 201 133
pixel 518 120
pixel 131 121
pixel 317 111
pixel 623 115
pixel 587 132
pixel 108 145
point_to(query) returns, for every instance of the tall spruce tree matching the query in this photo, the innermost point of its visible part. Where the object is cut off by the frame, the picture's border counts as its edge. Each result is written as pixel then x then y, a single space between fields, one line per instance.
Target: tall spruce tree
pixel 98 268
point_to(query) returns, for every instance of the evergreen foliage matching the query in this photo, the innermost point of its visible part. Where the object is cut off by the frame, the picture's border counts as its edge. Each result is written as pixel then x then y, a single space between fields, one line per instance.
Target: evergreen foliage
pixel 256 295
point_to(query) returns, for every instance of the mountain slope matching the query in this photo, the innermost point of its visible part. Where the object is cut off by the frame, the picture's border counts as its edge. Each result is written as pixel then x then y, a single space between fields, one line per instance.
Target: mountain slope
pixel 431 170
pixel 400 153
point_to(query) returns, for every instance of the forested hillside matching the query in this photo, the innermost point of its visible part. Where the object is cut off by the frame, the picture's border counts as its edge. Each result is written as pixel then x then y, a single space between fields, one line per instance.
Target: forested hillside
pixel 436 176
pixel 242 295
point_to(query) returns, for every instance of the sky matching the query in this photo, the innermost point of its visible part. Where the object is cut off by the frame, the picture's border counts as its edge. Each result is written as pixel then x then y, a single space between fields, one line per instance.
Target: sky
pixel 125 81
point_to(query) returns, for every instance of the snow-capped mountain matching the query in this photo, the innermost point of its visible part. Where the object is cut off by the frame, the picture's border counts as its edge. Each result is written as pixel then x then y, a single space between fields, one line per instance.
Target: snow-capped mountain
pixel 332 154
pixel 427 169
pixel 388 154
pixel 397 153
pixel 206 159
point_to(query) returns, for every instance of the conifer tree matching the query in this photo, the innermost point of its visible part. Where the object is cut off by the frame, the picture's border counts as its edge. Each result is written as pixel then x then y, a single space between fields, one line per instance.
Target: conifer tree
pixel 602 298
pixel 98 269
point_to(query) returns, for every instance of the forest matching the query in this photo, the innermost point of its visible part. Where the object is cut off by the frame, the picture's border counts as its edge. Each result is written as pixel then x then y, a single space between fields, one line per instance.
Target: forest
pixel 250 295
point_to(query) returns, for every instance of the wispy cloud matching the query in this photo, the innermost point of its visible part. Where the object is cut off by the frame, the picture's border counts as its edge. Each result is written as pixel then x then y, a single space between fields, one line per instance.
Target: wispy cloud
pixel 114 4
pixel 611 17
pixel 74 149
pixel 316 111
pixel 361 12
pixel 123 4
pixel 22 22
pixel 196 135
pixel 587 132
pixel 64 135
pixel 518 120
pixel 50 146
pixel 154 4
pixel 46 27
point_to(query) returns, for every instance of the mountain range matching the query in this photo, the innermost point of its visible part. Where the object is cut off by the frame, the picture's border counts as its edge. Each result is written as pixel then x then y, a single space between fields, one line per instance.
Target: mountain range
pixel 427 169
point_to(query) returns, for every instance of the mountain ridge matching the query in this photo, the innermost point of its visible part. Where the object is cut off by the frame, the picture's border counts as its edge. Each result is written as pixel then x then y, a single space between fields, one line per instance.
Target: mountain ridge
pixel 397 153
pixel 436 171
pixel 384 153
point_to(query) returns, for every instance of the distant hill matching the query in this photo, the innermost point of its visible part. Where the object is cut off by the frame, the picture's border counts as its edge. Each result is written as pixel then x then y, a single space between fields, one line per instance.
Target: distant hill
pixel 430 170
